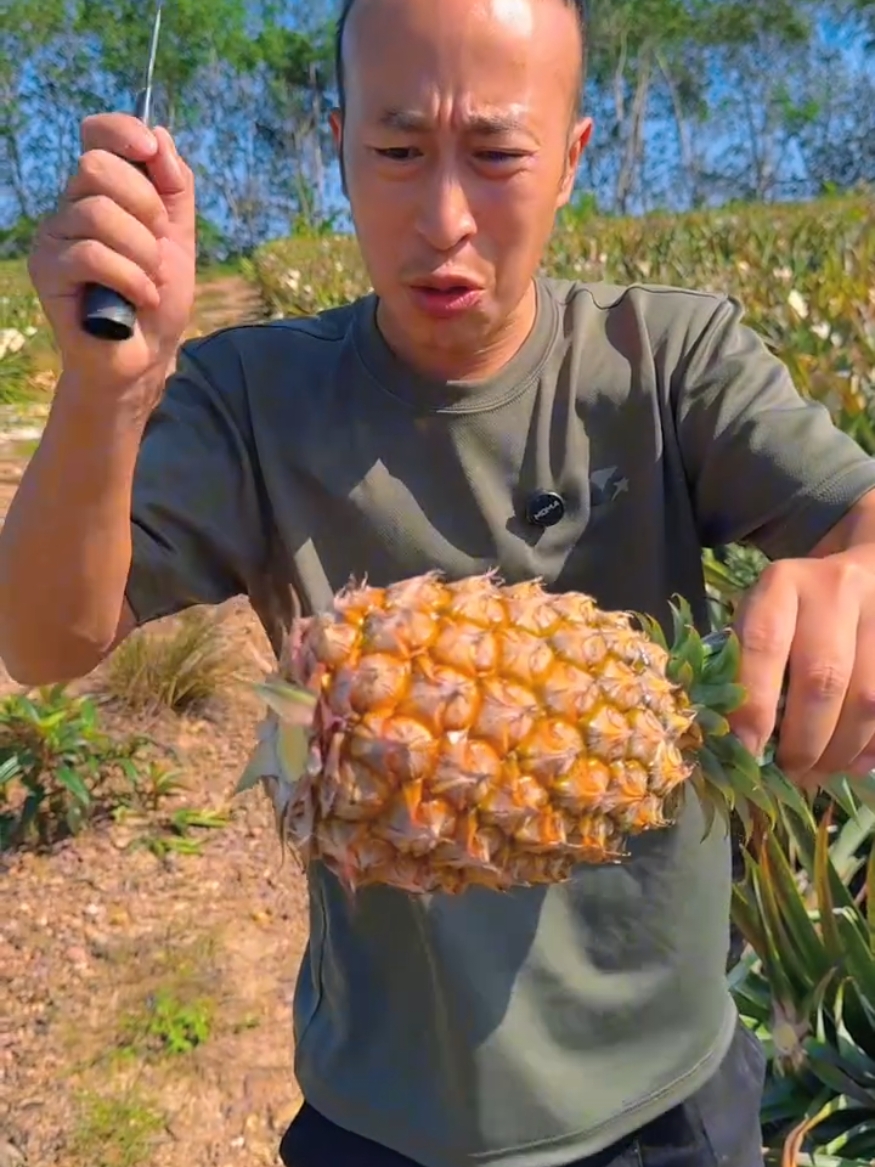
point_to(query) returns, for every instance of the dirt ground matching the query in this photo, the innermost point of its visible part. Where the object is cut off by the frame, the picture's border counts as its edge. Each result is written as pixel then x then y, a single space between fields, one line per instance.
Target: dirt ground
pixel 145 999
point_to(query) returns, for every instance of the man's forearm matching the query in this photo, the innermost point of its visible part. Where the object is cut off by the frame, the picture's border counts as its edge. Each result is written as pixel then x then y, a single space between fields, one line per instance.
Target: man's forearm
pixel 65 549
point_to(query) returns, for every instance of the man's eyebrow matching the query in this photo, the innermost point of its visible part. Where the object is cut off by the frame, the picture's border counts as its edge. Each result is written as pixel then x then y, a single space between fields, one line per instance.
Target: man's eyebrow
pixel 487 124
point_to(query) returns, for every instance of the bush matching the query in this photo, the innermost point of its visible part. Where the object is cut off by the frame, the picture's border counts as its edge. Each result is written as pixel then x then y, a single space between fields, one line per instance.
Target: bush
pixel 803 273
pixel 59 770
pixel 26 349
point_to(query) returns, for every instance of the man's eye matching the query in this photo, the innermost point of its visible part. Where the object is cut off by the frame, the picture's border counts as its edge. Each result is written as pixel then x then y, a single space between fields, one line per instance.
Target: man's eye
pixel 397 153
pixel 499 155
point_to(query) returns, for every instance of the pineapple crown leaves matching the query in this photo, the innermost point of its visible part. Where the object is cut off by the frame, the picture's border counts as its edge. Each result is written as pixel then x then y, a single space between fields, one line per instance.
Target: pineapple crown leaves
pixel 727 776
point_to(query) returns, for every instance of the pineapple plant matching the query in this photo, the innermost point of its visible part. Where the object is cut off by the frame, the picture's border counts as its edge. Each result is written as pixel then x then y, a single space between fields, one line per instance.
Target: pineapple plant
pixel 806 984
pixel 434 735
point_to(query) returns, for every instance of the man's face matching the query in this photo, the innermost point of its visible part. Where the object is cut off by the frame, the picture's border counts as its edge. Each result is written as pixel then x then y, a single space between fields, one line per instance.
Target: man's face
pixel 460 143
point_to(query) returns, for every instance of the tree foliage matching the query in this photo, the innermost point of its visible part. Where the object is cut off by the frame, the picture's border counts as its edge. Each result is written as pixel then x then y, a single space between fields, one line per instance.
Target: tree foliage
pixel 696 103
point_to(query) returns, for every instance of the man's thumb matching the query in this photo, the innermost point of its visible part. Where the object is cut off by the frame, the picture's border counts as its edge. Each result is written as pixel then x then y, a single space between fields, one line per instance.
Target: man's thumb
pixel 173 180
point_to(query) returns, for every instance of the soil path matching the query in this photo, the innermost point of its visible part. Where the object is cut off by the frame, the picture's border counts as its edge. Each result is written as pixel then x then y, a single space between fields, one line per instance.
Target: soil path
pixel 146 996
pixel 226 300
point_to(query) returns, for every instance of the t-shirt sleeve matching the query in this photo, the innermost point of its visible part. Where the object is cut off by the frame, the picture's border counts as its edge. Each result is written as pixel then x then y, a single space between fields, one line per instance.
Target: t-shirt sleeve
pixel 766 466
pixel 197 515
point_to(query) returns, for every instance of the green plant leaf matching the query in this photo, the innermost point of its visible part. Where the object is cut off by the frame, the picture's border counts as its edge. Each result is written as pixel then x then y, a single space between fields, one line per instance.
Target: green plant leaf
pixel 69 779
pixel 9 769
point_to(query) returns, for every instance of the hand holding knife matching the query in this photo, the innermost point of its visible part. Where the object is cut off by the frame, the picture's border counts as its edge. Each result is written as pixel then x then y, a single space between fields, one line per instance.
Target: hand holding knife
pixel 108 315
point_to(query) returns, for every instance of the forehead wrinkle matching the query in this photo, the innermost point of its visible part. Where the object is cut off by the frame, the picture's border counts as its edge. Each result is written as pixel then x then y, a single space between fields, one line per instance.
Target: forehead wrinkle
pixel 485 123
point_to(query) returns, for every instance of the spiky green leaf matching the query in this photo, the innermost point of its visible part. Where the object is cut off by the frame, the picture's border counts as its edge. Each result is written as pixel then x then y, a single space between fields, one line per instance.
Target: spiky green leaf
pixel 805 937
pixel 721 697
pixel 722 663
pixel 291 704
pixel 712 723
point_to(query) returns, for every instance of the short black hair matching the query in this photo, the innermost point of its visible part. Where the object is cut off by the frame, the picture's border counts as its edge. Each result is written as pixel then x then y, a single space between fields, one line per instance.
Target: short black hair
pixel 579 7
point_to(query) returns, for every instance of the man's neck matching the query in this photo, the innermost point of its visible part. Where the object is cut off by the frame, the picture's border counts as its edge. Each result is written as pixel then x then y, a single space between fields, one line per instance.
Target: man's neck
pixel 466 365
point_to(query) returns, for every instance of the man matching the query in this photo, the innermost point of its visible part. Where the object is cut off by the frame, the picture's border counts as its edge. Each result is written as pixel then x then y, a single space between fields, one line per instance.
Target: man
pixel 588 1023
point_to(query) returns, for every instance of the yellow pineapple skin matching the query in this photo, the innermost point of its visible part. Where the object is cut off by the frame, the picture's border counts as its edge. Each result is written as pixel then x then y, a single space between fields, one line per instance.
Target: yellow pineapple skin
pixel 475 733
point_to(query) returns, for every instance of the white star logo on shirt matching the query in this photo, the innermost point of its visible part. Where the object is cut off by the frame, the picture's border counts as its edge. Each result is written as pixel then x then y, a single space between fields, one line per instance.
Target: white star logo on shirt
pixel 608 485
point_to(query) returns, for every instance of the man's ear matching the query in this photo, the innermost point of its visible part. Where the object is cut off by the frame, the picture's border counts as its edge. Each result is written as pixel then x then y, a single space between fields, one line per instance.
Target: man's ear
pixel 335 120
pixel 578 140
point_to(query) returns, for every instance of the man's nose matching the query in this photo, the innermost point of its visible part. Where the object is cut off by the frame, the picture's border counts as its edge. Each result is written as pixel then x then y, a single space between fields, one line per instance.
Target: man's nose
pixel 445 216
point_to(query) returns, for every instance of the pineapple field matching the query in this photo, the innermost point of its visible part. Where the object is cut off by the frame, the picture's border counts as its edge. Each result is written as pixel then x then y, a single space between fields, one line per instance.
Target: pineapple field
pixel 149 937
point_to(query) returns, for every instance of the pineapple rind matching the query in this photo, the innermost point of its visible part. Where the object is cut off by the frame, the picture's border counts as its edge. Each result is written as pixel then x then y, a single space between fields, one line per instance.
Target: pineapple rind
pixel 386 710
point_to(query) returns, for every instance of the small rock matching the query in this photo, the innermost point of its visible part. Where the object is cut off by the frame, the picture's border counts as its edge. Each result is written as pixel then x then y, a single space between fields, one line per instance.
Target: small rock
pixel 10 1156
pixel 98 942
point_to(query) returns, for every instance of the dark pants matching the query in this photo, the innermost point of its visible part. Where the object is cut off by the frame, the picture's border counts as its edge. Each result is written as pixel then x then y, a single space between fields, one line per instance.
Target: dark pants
pixel 718 1127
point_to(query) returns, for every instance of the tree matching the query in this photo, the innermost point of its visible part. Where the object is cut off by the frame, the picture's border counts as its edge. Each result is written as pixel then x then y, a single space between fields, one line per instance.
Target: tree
pixel 45 90
pixel 194 34
pixel 695 102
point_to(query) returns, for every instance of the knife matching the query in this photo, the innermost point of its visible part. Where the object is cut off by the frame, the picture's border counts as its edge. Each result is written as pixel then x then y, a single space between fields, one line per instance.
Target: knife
pixel 108 315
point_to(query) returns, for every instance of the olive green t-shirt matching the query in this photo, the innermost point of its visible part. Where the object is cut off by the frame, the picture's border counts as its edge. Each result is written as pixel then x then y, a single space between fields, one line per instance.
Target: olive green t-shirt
pixel 531 1028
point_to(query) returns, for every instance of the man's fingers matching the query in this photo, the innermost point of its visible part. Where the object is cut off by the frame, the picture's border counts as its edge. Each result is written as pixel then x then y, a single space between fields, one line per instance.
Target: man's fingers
pixel 88 261
pixel 122 139
pixel 865 761
pixel 821 665
pixel 118 133
pixel 101 174
pixel 852 744
pixel 169 174
pixel 175 182
pixel 101 219
pixel 765 627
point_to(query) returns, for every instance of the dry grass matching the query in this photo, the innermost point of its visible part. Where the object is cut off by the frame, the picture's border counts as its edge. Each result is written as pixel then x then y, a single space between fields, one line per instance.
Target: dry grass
pixel 115 1131
pixel 182 667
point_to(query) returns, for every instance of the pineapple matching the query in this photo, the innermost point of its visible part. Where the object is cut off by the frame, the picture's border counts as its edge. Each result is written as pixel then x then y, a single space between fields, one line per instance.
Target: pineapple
pixel 434 735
